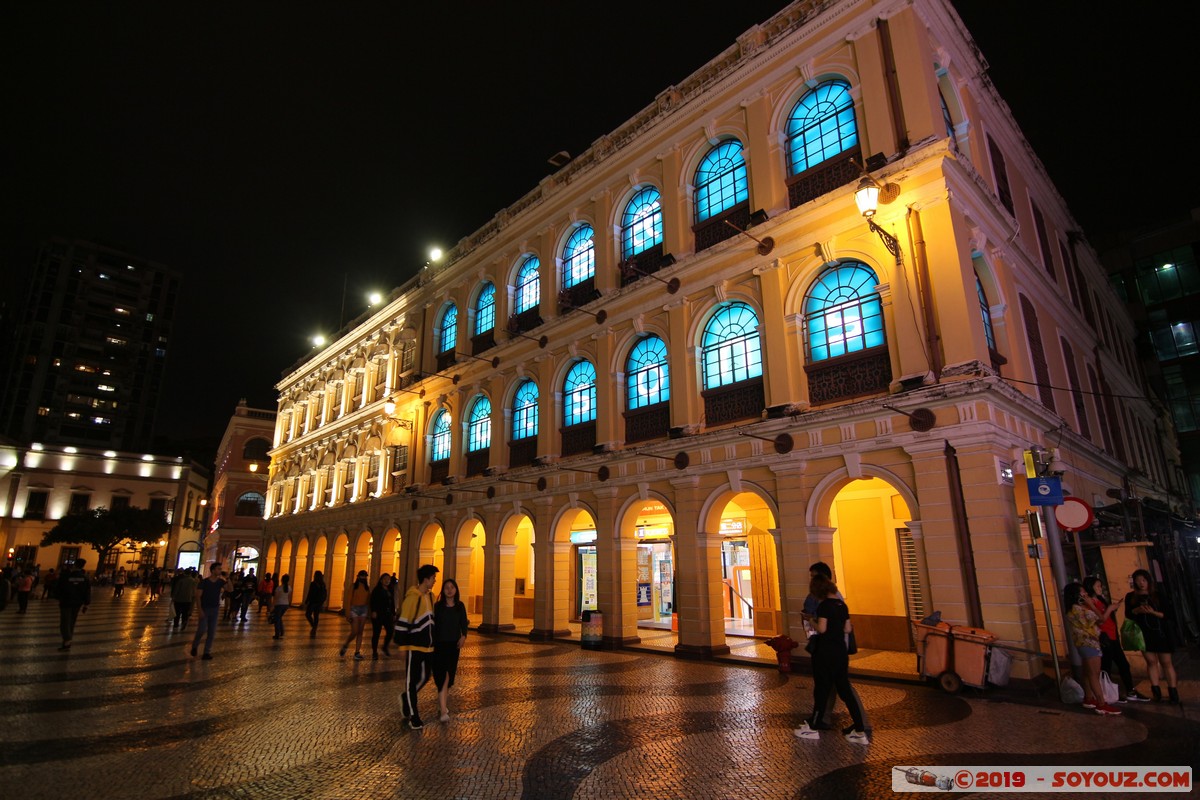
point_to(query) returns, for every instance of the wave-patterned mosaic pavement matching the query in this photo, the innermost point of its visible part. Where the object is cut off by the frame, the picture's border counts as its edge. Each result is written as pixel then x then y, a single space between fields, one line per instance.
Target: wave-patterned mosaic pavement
pixel 127 712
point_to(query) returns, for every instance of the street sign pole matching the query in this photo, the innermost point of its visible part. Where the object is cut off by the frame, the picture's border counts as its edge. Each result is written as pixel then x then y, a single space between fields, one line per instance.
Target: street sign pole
pixel 1047 493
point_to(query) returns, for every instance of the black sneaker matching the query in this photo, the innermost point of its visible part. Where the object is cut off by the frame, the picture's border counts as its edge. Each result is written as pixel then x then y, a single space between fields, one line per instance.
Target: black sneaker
pixel 415 723
pixel 206 657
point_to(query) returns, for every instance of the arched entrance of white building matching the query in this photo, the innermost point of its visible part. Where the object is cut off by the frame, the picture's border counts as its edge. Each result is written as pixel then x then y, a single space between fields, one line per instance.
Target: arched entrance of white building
pixel 337 570
pixel 431 551
pixel 300 578
pixel 582 577
pixel 875 562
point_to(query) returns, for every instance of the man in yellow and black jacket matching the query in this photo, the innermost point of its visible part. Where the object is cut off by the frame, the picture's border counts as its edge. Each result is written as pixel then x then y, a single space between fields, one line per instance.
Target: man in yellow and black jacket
pixel 414 637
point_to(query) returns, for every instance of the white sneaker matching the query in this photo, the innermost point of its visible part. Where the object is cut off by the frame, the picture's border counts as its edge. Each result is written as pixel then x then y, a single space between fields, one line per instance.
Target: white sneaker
pixel 444 718
pixel 805 732
pixel 858 737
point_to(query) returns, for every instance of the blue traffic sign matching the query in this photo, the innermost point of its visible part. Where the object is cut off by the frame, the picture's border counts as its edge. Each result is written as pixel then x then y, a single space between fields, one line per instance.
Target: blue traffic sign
pixel 1045 491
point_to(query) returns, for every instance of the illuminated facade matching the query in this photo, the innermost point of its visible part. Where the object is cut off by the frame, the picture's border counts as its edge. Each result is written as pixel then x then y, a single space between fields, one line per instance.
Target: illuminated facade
pixel 239 496
pixel 684 367
pixel 40 484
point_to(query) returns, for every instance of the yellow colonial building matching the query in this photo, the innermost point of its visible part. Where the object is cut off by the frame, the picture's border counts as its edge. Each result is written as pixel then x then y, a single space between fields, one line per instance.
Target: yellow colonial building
pixel 811 303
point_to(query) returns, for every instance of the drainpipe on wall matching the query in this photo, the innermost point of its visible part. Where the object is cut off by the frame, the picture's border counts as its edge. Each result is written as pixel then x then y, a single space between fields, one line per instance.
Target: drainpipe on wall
pixel 933 336
pixel 958 511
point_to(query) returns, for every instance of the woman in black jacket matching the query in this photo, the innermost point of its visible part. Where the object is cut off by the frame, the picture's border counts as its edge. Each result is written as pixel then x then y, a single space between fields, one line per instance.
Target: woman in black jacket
pixel 449 634
pixel 314 601
pixel 1148 607
pixel 383 615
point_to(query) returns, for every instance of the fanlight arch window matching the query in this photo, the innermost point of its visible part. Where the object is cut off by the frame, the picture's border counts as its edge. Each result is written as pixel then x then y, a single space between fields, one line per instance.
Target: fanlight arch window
pixel 485 309
pixel 647 376
pixel 525 410
pixel 529 284
pixel 251 504
pixel 843 313
pixel 821 126
pixel 641 224
pixel 448 329
pixel 731 349
pixel 479 425
pixel 985 313
pixel 579 394
pixel 256 450
pixel 721 180
pixel 579 256
pixel 439 446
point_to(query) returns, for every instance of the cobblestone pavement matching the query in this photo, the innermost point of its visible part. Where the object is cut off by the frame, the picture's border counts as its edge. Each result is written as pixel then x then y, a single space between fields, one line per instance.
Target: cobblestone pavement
pixel 127 712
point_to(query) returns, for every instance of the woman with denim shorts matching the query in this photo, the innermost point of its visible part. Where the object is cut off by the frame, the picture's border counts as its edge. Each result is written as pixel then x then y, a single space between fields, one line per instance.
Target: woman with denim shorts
pixel 357 613
pixel 1085 635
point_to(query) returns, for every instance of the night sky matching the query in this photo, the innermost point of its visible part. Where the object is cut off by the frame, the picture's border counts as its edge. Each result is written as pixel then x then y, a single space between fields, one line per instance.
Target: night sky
pixel 274 153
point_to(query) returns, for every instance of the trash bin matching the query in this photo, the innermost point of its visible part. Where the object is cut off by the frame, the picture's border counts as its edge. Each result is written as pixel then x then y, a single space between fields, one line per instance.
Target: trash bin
pixel 592 633
pixel 933 648
pixel 971 650
pixel 999 666
pixel 783 646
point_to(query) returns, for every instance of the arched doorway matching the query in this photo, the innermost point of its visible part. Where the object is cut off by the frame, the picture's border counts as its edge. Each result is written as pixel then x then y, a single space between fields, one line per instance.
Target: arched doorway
pixel 300 579
pixel 390 559
pixel 337 571
pixel 432 551
pixel 361 557
pixel 749 566
pixel 651 582
pixel 875 563
pixel 465 565
pixel 582 569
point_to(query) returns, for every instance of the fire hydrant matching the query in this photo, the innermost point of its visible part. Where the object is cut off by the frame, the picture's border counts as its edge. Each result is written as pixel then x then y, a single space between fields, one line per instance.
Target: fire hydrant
pixel 783 646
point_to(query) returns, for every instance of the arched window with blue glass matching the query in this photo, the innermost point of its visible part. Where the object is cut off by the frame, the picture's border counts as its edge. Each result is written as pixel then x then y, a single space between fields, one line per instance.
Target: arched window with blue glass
pixel 641 224
pixel 525 411
pixel 529 285
pixel 439 436
pixel 579 394
pixel 731 349
pixel 721 182
pixel 447 334
pixel 579 409
pixel 820 126
pixel 843 313
pixel 479 425
pixel 579 257
pixel 485 310
pixel 646 374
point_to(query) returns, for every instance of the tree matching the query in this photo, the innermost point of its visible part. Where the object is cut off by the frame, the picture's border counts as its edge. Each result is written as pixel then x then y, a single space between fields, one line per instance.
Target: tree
pixel 105 529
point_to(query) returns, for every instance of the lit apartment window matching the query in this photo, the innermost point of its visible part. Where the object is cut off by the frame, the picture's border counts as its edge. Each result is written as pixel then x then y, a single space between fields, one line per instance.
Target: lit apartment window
pixel 73 414
pixel 104 387
pixel 43 411
pixel 149 318
pixel 102 420
pixel 115 340
pixel 84 368
pixel 122 311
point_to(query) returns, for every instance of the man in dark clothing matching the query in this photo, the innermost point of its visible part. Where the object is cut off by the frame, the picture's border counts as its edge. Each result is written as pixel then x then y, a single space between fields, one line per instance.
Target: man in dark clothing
pixel 208 600
pixel 74 592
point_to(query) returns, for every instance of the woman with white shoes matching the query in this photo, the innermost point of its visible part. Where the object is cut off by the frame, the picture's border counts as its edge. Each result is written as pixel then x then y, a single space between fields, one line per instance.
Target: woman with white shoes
pixel 449 635
pixel 831 663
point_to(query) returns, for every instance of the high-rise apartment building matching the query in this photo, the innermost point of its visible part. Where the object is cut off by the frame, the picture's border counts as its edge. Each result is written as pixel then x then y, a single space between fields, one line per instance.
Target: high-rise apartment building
pixel 90 348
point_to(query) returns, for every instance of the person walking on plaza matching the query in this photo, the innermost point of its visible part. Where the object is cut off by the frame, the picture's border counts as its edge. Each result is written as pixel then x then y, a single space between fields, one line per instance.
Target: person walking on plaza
pixel 48 583
pixel 208 600
pixel 24 589
pixel 1111 653
pixel 6 584
pixel 314 601
pixel 450 625
pixel 183 592
pixel 383 614
pixel 831 663
pixel 1149 608
pixel 74 596
pixel 281 600
pixel 357 612
pixel 119 583
pixel 249 584
pixel 266 588
pixel 1084 631
pixel 414 635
